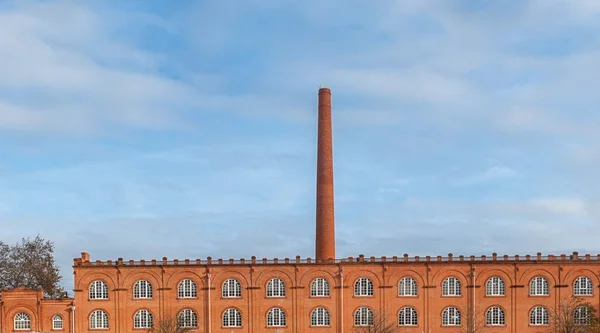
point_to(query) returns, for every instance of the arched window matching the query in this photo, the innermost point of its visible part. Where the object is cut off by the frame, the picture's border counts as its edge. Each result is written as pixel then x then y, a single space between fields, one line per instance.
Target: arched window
pixel 98 290
pixel 495 287
pixel 143 319
pixel 494 316
pixel 98 319
pixel 363 317
pixel 538 286
pixel 276 318
pixel 57 322
pixel 22 321
pixel 538 316
pixel 583 287
pixel 407 287
pixel 407 317
pixel 319 287
pixel 363 287
pixel 451 287
pixel 142 289
pixel 188 319
pixel 187 289
pixel 320 317
pixel 582 315
pixel 275 288
pixel 451 317
pixel 232 288
pixel 232 318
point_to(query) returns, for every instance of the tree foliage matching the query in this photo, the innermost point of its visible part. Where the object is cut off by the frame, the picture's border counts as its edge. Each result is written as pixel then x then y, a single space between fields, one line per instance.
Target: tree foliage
pixel 168 325
pixel 563 319
pixel 30 264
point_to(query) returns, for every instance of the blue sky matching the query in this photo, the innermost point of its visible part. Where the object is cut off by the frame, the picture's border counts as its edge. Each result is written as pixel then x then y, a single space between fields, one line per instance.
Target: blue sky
pixel 187 129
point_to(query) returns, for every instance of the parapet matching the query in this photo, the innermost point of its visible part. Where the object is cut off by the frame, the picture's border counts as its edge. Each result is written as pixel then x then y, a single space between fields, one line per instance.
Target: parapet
pixel 361 259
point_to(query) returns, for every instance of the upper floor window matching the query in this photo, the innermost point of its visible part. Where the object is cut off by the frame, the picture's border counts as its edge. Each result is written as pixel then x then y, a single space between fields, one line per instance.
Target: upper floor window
pixel 98 290
pixel 319 287
pixel 276 318
pixel 495 287
pixel 57 323
pixel 582 315
pixel 232 318
pixel 451 317
pixel 451 287
pixel 232 288
pixel 143 319
pixel 407 287
pixel 538 316
pixel 98 319
pixel 363 317
pixel 494 316
pixel 583 287
pixel 22 321
pixel 363 287
pixel 407 317
pixel 320 317
pixel 187 289
pixel 538 286
pixel 142 289
pixel 275 288
pixel 188 319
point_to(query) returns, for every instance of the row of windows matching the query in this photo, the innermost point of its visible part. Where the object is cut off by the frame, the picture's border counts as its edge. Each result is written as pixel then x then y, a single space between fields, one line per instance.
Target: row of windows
pixel 407 286
pixel 188 289
pixel 276 317
pixel 23 322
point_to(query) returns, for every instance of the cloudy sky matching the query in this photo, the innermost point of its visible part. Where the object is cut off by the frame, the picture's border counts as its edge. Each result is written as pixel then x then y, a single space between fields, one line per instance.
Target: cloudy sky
pixel 187 129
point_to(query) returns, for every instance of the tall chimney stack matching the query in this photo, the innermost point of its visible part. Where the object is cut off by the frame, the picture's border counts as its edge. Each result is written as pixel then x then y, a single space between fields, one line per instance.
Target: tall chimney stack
pixel 325 237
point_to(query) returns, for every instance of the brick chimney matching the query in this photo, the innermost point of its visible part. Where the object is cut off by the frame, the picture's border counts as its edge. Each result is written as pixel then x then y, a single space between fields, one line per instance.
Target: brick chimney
pixel 325 236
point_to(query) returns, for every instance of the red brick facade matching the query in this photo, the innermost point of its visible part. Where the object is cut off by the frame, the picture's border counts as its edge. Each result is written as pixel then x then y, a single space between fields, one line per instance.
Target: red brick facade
pixel 30 305
pixel 300 295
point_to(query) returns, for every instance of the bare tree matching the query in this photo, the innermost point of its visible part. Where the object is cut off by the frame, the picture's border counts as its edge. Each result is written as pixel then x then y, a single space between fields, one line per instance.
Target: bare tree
pixel 472 321
pixel 168 325
pixel 30 264
pixel 380 324
pixel 574 315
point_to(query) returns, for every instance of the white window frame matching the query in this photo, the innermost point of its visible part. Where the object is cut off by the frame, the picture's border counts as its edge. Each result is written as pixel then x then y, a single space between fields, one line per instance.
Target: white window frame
pixel 583 286
pixel 363 287
pixel 320 317
pixel 57 319
pixel 232 317
pixel 99 320
pixel 539 286
pixel 142 290
pixel 319 287
pixel 187 318
pixel 22 321
pixel 495 286
pixel 98 290
pixel 408 287
pixel 187 288
pixel 452 287
pixel 276 288
pixel 582 315
pixel 276 318
pixel 407 316
pixel 451 316
pixel 363 316
pixel 143 319
pixel 495 316
pixel 538 316
pixel 231 288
